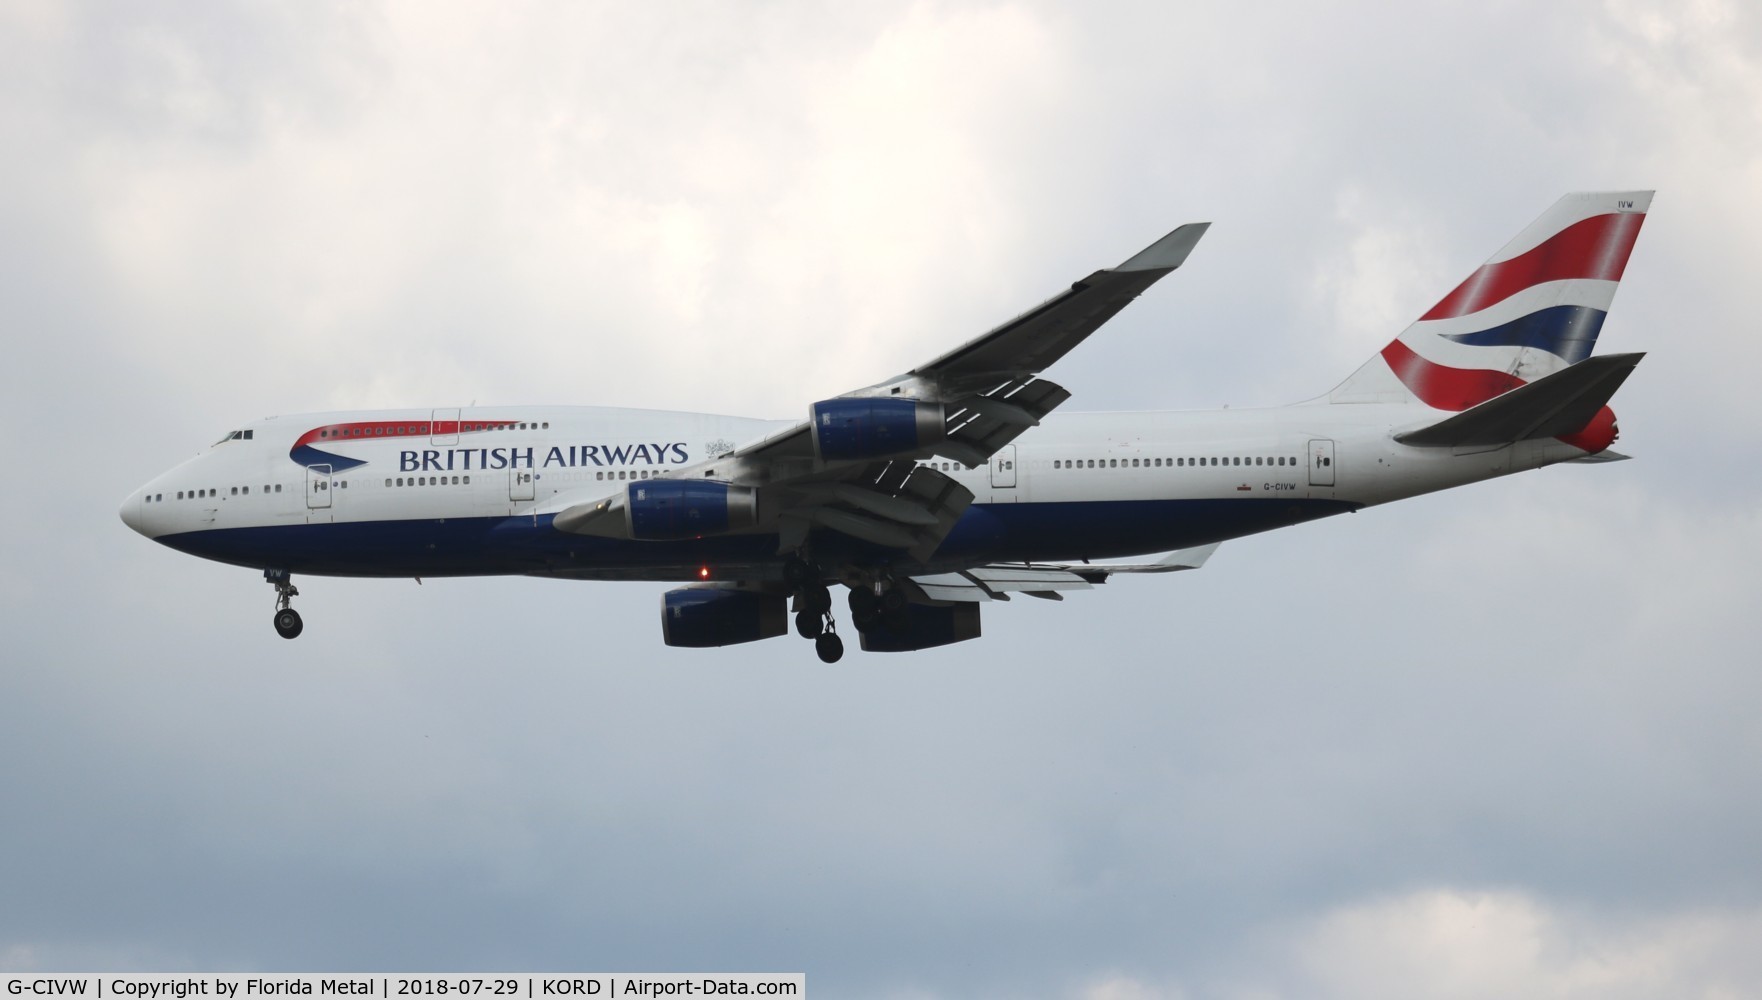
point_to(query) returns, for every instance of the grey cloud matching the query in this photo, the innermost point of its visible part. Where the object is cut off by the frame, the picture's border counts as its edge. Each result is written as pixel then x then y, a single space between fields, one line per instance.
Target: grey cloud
pixel 1534 686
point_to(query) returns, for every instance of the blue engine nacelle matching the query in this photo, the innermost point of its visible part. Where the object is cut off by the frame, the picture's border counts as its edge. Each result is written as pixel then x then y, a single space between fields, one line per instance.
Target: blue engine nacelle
pixel 930 626
pixel 710 616
pixel 667 509
pixel 874 428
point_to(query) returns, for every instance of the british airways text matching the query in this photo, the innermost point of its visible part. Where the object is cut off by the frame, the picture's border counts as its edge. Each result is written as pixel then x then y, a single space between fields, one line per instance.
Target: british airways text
pixel 467 459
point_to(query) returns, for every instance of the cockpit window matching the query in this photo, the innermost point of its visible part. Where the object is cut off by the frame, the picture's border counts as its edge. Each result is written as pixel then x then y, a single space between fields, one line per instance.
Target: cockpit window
pixel 233 436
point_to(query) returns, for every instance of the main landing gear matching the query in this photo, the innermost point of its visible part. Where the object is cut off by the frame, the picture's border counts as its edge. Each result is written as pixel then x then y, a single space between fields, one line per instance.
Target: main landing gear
pixel 813 609
pixel 889 609
pixel 287 620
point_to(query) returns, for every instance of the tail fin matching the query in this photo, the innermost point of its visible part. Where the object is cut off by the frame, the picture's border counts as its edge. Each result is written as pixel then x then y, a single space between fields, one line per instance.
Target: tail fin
pixel 1532 310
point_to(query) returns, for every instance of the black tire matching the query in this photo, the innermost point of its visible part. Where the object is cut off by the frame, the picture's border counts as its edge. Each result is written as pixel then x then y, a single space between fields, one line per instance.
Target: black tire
pixel 288 624
pixel 830 647
pixel 892 600
pixel 816 598
pixel 867 619
pixel 809 625
pixel 863 601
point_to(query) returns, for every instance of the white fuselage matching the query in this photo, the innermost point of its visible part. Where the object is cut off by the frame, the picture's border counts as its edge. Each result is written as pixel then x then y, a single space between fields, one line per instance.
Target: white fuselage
pixel 470 492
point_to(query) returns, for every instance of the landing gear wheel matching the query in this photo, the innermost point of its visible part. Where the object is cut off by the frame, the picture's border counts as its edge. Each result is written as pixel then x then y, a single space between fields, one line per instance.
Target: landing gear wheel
pixel 865 609
pixel 815 597
pixel 893 600
pixel 287 620
pixel 810 624
pixel 829 646
pixel 288 623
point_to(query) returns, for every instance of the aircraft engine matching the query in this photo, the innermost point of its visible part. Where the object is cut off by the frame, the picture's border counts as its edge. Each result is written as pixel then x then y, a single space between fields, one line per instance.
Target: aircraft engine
pixel 929 627
pixel 711 616
pixel 874 428
pixel 667 509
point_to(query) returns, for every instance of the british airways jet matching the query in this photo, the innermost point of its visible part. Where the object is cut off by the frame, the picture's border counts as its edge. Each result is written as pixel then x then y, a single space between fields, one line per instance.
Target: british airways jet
pixel 931 493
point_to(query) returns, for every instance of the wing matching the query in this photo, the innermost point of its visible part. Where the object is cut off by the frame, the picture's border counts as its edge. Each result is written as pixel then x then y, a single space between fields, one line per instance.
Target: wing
pixel 852 467
pixel 988 386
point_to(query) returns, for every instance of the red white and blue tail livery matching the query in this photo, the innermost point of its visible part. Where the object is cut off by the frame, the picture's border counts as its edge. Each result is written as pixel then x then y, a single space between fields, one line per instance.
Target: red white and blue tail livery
pixel 933 493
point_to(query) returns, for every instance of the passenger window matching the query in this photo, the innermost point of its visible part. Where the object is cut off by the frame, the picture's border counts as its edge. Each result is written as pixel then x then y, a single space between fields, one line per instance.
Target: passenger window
pixel 180 494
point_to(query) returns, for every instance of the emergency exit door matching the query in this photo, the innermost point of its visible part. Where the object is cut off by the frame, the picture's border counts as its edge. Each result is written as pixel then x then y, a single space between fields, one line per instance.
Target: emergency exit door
pixel 1003 467
pixel 317 486
pixel 1321 462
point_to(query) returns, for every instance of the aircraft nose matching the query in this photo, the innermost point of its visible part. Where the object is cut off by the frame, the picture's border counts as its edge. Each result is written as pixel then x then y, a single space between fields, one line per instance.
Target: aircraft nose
pixel 131 513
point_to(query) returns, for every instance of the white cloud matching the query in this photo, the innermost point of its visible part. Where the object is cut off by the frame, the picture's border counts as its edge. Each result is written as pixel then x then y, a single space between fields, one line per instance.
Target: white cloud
pixel 1446 943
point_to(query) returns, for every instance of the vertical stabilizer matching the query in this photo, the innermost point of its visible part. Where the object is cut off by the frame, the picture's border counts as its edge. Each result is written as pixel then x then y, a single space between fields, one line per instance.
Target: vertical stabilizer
pixel 1533 309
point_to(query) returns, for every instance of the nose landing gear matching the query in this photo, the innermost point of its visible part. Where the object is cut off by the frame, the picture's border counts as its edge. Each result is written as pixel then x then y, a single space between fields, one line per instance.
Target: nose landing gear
pixel 287 620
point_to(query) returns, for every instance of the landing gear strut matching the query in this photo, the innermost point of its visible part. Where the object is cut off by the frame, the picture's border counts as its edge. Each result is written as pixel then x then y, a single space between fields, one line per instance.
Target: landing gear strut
pixel 287 620
pixel 813 609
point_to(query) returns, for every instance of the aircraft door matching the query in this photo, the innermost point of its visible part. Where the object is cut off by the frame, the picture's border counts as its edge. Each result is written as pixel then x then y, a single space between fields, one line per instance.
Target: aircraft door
pixel 1003 467
pixel 520 485
pixel 1321 462
pixel 443 430
pixel 317 487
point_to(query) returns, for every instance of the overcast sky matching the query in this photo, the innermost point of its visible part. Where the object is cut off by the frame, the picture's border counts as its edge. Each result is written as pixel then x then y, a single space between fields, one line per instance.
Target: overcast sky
pixel 1498 742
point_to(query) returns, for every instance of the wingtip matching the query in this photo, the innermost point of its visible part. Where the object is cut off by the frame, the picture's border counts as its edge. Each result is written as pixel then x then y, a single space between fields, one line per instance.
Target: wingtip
pixel 1169 252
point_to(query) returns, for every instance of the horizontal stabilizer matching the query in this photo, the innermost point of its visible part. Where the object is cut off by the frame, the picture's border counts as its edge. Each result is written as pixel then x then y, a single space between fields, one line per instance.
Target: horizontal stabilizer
pixel 1559 404
pixel 1601 458
pixel 996 582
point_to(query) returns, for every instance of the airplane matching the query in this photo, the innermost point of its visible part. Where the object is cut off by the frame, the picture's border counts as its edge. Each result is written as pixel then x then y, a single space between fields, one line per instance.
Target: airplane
pixel 934 492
